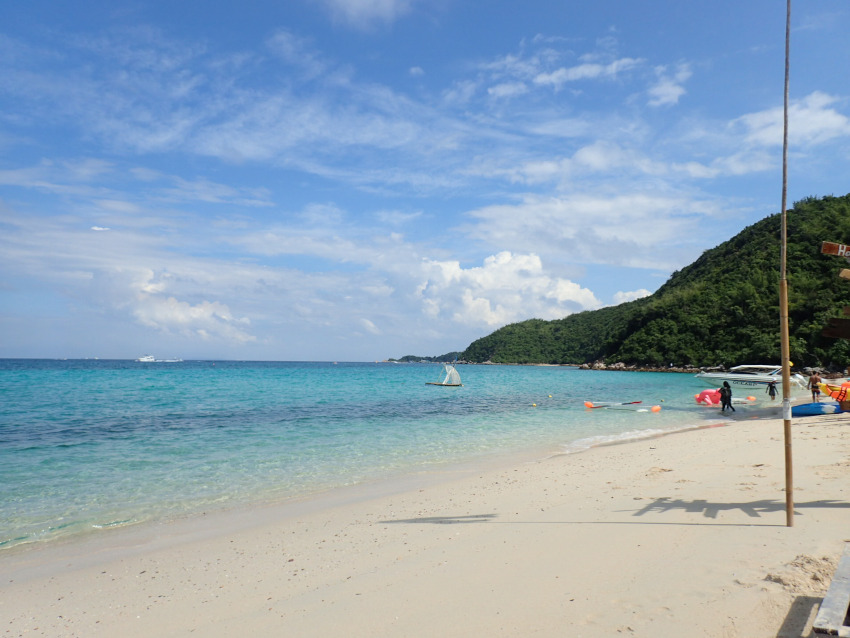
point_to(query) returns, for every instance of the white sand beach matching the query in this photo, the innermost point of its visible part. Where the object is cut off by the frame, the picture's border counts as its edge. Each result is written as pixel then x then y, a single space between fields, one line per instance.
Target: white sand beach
pixel 682 535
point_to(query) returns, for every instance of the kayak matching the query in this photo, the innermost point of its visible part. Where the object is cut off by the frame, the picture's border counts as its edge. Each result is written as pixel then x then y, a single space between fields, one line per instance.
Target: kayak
pixel 608 404
pixel 625 405
pixel 815 409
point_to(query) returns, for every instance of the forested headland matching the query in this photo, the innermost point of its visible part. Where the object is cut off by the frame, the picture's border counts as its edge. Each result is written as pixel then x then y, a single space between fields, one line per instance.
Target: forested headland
pixel 723 309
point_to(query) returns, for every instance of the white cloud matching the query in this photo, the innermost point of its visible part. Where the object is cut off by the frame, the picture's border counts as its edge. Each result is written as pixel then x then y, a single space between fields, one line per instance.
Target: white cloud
pixel 506 288
pixel 461 92
pixel 397 217
pixel 563 75
pixel 117 206
pixel 298 52
pixel 364 13
pixel 811 121
pixel 623 297
pixel 87 169
pixel 369 326
pixel 743 162
pixel 630 229
pixel 600 157
pixel 207 320
pixel 508 90
pixel 668 88
pixel 204 190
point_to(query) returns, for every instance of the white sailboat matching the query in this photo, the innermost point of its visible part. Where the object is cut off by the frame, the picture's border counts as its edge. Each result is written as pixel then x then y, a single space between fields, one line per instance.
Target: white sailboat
pixel 451 379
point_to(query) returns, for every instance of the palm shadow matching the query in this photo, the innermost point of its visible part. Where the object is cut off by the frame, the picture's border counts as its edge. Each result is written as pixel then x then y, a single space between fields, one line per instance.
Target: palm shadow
pixel 753 509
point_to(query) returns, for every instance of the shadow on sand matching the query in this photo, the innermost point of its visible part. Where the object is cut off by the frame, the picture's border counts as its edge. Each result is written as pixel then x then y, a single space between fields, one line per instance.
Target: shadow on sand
pixel 447 520
pixel 710 510
pixel 801 615
pixel 753 509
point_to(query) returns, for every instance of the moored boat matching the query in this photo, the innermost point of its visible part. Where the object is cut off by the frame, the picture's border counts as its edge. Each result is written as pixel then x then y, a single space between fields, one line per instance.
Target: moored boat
pixel 452 378
pixel 749 376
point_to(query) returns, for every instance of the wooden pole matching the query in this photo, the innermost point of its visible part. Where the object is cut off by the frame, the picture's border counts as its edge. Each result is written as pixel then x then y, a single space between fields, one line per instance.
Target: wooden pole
pixel 783 293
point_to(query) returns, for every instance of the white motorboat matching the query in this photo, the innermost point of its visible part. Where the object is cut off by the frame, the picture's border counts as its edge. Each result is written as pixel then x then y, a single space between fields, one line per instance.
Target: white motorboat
pixel 748 376
pixel 147 358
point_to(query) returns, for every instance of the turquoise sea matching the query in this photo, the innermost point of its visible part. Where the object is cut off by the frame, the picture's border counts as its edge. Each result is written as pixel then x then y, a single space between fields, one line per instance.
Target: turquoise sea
pixel 88 445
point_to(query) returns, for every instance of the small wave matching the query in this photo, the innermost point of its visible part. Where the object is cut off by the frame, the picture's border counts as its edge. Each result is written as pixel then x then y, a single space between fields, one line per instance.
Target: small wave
pixel 127 521
pixel 9 542
pixel 587 443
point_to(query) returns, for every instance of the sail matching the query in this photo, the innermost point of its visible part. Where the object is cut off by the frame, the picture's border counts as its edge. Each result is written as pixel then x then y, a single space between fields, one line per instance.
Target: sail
pixel 452 376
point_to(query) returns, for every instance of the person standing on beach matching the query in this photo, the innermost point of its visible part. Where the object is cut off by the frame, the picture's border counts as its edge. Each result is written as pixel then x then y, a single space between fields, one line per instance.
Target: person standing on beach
pixel 771 390
pixel 726 397
pixel 814 384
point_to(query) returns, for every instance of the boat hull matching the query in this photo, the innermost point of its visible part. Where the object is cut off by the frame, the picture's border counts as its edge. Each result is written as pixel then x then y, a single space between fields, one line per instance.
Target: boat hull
pixel 716 380
pixel 754 377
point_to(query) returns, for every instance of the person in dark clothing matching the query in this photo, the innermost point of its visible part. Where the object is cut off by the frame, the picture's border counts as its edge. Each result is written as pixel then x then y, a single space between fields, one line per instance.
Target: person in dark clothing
pixel 771 390
pixel 726 397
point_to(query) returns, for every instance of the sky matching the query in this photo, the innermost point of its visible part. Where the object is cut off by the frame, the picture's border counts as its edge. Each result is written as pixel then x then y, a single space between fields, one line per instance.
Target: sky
pixel 354 180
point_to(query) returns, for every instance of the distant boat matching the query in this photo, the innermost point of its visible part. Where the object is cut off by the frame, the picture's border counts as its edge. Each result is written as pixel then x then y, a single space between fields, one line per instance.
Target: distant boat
pixel 149 358
pixel 452 378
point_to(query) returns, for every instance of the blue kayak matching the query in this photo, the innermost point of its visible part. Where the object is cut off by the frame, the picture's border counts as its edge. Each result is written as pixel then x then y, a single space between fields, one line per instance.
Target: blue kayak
pixel 815 409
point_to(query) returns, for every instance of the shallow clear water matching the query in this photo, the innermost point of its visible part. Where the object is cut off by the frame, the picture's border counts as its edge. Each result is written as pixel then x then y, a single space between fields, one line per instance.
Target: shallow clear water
pixel 86 445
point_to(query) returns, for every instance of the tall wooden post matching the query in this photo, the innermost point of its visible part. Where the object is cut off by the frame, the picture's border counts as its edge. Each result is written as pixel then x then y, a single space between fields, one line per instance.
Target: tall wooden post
pixel 783 294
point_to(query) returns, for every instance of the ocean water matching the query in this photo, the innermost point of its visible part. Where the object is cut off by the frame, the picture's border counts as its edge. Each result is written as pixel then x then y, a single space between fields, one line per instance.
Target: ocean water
pixel 88 445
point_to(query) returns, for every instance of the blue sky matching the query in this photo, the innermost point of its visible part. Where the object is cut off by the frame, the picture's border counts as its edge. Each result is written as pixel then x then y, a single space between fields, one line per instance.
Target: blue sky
pixel 362 179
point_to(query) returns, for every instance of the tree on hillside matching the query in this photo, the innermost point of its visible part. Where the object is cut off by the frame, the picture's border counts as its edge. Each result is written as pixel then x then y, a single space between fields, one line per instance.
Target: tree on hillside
pixel 723 309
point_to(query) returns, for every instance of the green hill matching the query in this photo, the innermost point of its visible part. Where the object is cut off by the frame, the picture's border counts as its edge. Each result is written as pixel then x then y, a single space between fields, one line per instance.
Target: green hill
pixel 723 309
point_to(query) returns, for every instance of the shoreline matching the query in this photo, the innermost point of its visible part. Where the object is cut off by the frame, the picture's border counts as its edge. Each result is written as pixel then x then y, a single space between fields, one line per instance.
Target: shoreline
pixel 393 482
pixel 378 484
pixel 665 536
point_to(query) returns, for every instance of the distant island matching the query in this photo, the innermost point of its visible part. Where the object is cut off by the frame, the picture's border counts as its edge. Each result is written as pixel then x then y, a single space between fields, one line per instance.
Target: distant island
pixel 721 310
pixel 450 357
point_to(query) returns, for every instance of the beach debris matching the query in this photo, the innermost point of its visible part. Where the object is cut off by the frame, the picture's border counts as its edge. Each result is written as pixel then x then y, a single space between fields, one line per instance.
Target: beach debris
pixel 653 471
pixel 805 575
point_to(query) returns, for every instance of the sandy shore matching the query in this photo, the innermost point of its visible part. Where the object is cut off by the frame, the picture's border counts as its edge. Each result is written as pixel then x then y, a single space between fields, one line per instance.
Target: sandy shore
pixel 682 535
